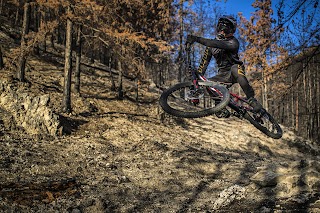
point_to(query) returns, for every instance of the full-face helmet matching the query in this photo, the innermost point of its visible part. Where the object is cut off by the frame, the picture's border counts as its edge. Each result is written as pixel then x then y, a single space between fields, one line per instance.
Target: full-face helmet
pixel 227 26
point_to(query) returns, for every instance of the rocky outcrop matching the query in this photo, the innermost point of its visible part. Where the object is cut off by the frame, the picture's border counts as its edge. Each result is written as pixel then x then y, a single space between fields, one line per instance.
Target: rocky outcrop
pixel 290 180
pixel 32 113
pixel 229 195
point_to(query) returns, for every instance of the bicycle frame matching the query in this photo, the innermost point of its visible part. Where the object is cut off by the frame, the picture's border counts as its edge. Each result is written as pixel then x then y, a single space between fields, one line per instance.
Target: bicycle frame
pixel 240 106
pixel 233 104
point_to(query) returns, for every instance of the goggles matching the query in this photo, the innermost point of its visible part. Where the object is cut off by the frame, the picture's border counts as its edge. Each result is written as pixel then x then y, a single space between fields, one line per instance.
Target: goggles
pixel 224 25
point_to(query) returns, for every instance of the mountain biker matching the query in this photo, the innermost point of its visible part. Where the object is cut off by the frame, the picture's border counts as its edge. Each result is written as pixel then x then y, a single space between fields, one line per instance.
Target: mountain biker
pixel 224 48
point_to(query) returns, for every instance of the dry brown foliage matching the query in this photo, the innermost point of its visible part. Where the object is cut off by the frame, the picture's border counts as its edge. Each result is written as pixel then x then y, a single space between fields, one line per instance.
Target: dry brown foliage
pixel 132 31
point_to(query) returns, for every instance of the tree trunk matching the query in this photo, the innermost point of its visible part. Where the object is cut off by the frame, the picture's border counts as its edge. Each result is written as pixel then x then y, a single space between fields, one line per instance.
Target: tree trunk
pixel 58 33
pixel 180 61
pixel 296 126
pixel 137 81
pixel 113 84
pixel 36 24
pixel 52 41
pixel 305 108
pixel 265 90
pixel 292 99
pixel 93 49
pixel 23 53
pixel 1 59
pixel 1 6
pixel 78 61
pixel 67 69
pixel 313 99
pixel 16 19
pixel 317 99
pixel 120 87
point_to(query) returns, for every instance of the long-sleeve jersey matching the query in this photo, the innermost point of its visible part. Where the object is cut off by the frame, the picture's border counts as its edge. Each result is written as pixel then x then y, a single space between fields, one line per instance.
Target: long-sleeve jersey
pixel 224 51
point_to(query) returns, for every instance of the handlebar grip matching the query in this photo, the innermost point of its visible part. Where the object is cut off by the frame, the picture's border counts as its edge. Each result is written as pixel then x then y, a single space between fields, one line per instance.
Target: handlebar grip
pixel 188 46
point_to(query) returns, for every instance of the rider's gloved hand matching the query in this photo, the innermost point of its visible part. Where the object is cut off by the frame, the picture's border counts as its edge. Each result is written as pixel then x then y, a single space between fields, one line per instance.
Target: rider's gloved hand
pixel 191 39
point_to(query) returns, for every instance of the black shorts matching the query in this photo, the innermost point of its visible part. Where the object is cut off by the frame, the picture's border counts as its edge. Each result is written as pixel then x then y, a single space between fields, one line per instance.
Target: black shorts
pixel 229 75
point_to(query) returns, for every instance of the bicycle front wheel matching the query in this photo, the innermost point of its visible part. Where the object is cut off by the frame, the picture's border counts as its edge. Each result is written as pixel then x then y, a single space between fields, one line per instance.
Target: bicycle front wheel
pixel 181 101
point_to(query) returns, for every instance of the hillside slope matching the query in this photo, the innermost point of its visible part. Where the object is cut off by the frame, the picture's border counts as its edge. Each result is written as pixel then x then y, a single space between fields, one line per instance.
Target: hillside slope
pixel 121 157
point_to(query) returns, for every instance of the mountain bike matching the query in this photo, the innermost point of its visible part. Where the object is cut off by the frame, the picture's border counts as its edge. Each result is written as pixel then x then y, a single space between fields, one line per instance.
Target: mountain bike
pixel 200 97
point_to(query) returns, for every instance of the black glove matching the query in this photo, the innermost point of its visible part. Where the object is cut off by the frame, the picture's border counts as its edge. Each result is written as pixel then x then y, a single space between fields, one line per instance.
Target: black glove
pixel 191 39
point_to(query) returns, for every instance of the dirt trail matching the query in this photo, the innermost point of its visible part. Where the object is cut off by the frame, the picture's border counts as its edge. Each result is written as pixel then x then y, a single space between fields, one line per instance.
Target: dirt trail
pixel 129 161
pixel 120 157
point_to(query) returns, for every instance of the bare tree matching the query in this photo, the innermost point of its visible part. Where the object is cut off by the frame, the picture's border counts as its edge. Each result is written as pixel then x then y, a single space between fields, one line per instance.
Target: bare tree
pixel 23 53
pixel 1 59
pixel 113 85
pixel 68 69
pixel 120 87
pixel 78 60
pixel 261 45
pixel 1 6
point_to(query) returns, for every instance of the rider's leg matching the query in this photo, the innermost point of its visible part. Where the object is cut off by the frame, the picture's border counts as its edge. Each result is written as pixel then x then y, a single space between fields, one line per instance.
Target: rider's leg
pixel 225 78
pixel 238 74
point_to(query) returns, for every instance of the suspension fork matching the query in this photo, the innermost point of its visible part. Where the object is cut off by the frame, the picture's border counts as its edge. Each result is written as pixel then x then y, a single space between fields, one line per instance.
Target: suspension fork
pixel 193 74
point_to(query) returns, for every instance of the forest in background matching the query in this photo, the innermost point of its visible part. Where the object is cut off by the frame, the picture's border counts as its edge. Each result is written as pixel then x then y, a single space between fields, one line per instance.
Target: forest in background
pixel 143 40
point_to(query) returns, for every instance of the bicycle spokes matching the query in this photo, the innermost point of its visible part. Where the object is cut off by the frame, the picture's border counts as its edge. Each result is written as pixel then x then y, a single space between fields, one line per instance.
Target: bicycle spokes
pixel 183 100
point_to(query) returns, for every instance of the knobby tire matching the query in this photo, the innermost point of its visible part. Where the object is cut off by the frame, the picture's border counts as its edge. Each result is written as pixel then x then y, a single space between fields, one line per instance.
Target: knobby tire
pixel 198 112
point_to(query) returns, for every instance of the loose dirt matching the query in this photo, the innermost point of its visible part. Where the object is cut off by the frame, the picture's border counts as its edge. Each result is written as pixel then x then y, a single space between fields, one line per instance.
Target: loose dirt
pixel 127 156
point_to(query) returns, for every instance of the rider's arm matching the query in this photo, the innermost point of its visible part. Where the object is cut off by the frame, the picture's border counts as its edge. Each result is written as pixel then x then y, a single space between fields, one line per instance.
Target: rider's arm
pixel 231 44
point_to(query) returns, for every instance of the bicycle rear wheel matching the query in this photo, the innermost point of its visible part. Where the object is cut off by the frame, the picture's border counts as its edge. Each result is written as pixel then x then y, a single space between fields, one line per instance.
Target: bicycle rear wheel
pixel 265 123
pixel 181 101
